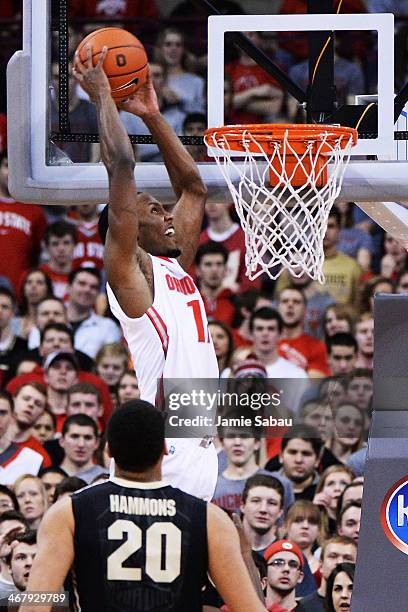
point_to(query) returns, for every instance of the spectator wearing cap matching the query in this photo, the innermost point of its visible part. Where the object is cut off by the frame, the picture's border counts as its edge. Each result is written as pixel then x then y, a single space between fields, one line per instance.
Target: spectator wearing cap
pixel 285 571
pixel 60 373
pixel 80 440
pixel 211 266
pixel 29 403
pixel 15 458
pixel 250 367
pixel 295 345
pixel 57 337
pixel 91 331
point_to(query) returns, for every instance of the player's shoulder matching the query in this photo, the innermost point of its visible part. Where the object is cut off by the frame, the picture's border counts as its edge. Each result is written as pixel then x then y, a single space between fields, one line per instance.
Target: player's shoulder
pixel 93 490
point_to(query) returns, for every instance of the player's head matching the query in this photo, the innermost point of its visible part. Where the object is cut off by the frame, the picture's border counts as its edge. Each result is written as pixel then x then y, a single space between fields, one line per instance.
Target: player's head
pixel 157 234
pixel 135 436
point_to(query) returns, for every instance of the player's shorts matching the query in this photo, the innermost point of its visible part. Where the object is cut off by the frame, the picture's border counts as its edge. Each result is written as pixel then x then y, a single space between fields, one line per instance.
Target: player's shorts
pixel 191 467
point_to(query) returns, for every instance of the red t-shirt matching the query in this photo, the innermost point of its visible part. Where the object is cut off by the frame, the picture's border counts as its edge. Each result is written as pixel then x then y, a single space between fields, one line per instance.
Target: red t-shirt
pixel 113 8
pixel 244 78
pixel 59 282
pixel 89 248
pixel 220 308
pixel 305 352
pixel 22 228
pixel 234 241
pixel 239 340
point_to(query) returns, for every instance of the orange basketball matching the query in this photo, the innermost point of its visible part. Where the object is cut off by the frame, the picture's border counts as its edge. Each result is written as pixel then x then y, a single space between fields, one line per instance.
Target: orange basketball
pixel 126 62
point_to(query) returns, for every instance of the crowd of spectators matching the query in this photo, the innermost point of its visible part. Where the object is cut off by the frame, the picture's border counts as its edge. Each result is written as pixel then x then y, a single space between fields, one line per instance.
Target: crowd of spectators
pixel 64 366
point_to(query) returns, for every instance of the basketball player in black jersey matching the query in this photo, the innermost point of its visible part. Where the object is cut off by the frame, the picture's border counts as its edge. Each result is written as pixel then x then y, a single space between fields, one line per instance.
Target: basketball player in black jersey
pixel 134 543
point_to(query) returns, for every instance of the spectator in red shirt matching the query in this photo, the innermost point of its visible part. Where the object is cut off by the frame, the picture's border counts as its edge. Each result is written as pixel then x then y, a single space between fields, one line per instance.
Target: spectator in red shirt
pixel 257 97
pixel 16 459
pixel 211 260
pixel 88 250
pixel 222 229
pixel 22 228
pixel 29 403
pixel 296 346
pixel 60 240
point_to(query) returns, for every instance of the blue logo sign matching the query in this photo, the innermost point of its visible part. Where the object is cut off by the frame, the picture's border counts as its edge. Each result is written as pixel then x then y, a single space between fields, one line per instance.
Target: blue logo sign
pixel 394 515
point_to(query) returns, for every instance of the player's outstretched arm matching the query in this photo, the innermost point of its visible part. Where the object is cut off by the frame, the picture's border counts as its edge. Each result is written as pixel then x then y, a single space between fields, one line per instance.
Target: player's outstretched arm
pixel 122 254
pixel 226 566
pixel 184 176
pixel 55 554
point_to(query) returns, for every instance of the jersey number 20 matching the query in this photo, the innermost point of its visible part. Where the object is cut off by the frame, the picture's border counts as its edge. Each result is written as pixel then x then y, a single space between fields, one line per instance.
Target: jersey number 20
pixel 163 551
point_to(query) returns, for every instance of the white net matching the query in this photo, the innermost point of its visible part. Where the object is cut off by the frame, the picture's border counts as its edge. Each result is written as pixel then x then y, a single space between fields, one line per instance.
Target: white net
pixel 284 224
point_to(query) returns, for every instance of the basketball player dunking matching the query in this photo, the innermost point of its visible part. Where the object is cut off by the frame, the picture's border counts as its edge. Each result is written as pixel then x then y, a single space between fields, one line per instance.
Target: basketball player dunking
pixel 136 543
pixel 148 251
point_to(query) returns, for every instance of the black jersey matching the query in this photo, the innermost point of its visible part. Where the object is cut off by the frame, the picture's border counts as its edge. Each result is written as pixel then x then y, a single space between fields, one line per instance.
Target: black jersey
pixel 139 547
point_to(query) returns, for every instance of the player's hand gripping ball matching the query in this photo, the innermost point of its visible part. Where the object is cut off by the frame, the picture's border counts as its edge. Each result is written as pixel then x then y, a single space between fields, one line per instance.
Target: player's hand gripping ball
pixel 126 63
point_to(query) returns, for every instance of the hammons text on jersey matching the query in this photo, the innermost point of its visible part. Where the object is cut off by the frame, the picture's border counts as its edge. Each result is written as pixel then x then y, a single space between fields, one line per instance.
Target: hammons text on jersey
pixel 138 547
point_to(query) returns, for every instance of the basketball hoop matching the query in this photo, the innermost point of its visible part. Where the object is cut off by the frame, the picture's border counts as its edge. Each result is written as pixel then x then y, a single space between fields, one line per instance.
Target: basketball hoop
pixel 284 205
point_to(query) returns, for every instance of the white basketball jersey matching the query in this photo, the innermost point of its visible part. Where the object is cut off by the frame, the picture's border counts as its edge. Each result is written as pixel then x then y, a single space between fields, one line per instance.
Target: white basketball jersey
pixel 172 339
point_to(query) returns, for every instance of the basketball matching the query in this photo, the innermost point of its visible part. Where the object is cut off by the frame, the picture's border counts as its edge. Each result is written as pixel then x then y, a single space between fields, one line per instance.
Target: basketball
pixel 126 62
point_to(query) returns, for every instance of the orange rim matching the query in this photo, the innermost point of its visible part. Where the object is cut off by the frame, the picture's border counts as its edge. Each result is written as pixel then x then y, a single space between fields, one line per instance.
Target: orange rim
pixel 275 132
